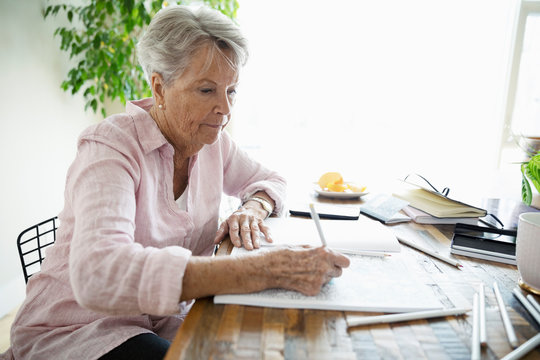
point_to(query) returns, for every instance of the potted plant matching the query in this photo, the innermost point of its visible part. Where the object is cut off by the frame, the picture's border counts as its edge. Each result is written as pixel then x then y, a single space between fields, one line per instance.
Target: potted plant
pixel 530 171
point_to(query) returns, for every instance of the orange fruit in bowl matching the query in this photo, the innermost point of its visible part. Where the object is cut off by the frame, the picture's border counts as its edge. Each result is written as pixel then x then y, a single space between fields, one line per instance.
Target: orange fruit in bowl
pixel 330 178
pixel 336 187
pixel 356 188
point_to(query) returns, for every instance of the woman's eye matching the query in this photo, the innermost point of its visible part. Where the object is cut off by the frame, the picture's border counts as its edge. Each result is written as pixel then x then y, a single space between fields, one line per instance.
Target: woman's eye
pixel 206 90
pixel 232 92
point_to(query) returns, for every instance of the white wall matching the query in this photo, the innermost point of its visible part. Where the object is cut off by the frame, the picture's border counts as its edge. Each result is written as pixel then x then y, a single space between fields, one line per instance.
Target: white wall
pixel 39 125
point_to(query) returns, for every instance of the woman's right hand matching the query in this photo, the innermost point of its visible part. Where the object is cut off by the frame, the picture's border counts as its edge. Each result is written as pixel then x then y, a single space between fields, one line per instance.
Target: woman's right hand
pixel 305 269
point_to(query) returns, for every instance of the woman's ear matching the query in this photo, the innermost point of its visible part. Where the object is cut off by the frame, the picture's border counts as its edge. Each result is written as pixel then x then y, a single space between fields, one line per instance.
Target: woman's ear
pixel 158 88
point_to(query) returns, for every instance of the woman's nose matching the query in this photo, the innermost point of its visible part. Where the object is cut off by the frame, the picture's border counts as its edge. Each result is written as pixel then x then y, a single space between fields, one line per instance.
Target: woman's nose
pixel 224 105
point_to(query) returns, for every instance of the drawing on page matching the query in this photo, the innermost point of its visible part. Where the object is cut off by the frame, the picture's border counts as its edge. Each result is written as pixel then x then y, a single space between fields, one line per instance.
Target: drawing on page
pixel 384 284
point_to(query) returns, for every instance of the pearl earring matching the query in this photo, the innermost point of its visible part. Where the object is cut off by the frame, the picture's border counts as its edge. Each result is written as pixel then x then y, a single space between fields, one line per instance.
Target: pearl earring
pixel 160 106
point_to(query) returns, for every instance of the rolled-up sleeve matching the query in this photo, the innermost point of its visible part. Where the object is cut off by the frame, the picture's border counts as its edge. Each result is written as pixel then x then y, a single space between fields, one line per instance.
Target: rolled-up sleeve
pixel 243 176
pixel 109 271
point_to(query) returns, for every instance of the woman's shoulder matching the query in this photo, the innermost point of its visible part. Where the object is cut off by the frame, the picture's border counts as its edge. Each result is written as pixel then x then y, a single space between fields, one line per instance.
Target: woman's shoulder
pixel 134 128
pixel 117 131
pixel 114 125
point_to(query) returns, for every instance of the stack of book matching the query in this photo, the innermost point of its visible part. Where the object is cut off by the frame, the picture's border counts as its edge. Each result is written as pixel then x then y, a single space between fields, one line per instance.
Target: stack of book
pixel 491 243
pixel 431 207
pixel 484 243
pixel 495 242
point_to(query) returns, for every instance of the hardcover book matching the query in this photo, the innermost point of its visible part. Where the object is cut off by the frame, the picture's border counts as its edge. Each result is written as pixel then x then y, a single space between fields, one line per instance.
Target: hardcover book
pixel 421 217
pixel 435 203
pixel 484 243
pixel 385 208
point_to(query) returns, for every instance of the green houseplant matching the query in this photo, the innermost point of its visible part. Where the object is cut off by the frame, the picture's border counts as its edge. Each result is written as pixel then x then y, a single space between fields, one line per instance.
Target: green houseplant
pixel 530 170
pixel 101 38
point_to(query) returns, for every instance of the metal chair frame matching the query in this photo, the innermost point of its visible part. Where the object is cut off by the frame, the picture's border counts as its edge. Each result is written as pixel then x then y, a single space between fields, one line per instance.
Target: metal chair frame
pixel 28 251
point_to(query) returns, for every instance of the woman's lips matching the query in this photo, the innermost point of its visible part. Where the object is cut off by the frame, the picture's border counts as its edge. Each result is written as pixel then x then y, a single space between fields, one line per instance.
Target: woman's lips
pixel 216 126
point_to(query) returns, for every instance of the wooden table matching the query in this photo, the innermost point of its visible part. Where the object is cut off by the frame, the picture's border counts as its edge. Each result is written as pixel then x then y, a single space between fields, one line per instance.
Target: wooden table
pixel 243 332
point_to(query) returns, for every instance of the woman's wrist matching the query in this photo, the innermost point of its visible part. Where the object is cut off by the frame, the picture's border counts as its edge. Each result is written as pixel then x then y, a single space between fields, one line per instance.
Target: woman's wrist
pixel 260 200
pixel 255 206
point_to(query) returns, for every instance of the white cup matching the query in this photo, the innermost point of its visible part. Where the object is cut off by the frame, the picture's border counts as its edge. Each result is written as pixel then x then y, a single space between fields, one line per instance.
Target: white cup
pixel 528 251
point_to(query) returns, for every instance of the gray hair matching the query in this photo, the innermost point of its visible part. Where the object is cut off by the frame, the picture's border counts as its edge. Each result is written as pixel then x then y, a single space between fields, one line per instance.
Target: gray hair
pixel 177 32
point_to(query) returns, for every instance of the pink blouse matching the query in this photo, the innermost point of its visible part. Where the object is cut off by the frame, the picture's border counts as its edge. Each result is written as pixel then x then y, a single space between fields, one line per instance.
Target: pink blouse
pixel 116 268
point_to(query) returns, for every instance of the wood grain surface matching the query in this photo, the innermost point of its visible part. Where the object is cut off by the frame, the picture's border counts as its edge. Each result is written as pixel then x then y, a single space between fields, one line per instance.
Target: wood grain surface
pixel 243 332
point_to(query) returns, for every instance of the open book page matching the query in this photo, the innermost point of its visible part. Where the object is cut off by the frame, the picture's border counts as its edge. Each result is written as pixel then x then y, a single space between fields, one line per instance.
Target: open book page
pixel 375 284
pixel 342 235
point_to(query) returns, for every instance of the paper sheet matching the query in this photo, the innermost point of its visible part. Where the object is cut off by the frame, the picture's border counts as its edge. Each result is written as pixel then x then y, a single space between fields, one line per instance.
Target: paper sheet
pixel 374 284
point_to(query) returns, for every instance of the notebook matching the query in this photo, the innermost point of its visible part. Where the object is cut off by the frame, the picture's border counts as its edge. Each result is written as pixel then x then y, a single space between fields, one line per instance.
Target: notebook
pixel 420 217
pixel 344 236
pixel 385 208
pixel 484 243
pixel 327 211
pixel 435 203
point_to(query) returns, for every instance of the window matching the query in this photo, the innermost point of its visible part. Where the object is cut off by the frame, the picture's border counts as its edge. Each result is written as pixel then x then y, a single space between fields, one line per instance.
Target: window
pixel 522 110
pixel 374 89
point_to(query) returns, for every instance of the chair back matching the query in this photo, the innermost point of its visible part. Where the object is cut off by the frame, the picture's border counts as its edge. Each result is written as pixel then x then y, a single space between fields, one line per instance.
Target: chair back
pixel 31 244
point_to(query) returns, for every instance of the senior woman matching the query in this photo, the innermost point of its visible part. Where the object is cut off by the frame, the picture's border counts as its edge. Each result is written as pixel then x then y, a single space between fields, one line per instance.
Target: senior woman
pixel 141 209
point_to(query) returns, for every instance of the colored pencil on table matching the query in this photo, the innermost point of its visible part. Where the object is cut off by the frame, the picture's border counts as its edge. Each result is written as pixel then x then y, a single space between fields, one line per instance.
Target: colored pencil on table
pixel 534 303
pixel 510 333
pixel 417 315
pixel 521 351
pixel 527 305
pixel 482 317
pixel 315 218
pixel 475 341
pixel 430 252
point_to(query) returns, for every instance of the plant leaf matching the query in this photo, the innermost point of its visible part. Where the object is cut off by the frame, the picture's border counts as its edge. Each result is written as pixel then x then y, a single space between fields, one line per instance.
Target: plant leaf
pixel 47 11
pixel 533 171
pixel 526 193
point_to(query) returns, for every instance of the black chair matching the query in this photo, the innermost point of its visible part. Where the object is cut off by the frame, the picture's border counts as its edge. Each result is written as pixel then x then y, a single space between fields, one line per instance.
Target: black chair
pixel 32 243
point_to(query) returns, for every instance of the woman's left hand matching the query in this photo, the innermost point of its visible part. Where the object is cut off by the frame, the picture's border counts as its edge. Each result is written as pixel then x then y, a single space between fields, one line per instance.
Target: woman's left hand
pixel 243 227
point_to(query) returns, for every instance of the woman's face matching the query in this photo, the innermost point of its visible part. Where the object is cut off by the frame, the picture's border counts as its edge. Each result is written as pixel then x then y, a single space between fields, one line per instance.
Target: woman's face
pixel 197 105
